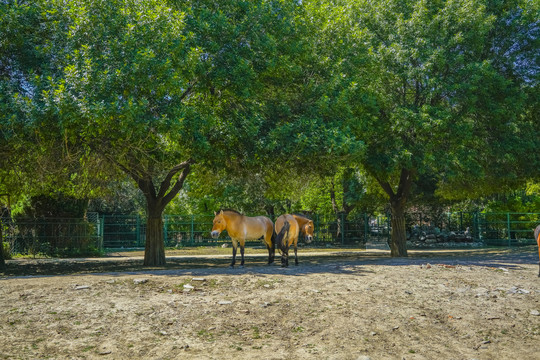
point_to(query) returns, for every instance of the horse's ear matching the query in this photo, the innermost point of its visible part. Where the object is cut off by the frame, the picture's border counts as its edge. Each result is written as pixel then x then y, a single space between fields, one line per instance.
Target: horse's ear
pixel 221 212
pixel 215 213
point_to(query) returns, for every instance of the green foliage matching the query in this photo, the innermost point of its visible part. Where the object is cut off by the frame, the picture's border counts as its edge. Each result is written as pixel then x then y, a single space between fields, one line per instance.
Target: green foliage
pixel 120 197
pixel 6 250
pixel 516 202
pixel 57 206
pixel 425 89
pixel 279 103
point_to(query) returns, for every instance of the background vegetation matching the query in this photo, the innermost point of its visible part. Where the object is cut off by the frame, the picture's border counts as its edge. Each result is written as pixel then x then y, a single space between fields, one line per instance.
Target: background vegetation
pixel 268 107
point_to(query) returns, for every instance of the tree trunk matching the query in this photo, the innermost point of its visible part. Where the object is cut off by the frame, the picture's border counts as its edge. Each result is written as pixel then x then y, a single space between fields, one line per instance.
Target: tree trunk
pixel 156 200
pixel 154 251
pixel 398 245
pixel 398 199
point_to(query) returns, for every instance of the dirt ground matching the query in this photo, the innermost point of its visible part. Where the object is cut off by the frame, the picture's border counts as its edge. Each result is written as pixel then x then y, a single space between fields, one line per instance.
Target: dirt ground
pixel 467 304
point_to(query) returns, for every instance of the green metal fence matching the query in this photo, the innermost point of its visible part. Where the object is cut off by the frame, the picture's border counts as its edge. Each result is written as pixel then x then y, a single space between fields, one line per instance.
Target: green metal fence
pixel 53 236
pixel 507 229
pixel 65 237
pixel 194 230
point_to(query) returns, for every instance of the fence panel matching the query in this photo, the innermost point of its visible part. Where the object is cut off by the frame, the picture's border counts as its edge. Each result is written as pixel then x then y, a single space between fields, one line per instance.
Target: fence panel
pixel 52 236
pixel 61 237
pixel 508 229
pixel 123 231
pixel 429 229
pixel 191 230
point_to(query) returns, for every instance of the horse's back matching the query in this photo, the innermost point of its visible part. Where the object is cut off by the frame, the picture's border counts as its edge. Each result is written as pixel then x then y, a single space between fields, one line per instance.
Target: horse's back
pixel 280 221
pixel 258 226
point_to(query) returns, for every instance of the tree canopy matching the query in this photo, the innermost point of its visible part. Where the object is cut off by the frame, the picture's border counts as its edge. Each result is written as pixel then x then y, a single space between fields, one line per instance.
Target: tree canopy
pixel 426 89
pixel 270 100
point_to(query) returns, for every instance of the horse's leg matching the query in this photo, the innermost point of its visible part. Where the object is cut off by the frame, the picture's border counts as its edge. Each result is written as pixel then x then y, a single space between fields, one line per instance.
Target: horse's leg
pixel 284 258
pixel 242 244
pixel 296 252
pixel 270 257
pixel 234 246
pixel 285 254
pixel 270 246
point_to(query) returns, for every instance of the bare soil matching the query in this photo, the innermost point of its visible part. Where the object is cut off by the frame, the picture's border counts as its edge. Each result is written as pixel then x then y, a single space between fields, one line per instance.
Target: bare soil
pixel 467 304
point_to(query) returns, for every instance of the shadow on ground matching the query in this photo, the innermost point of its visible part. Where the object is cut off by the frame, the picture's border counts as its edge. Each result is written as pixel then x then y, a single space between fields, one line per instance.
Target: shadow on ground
pixel 340 261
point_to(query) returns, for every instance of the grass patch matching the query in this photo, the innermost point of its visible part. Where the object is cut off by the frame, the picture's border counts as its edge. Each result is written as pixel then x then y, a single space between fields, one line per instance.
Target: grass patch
pixel 206 335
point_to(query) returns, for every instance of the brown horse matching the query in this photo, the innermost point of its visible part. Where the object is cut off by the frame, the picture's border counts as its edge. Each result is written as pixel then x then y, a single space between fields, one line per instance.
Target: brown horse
pixel 287 229
pixel 242 228
pixel 537 238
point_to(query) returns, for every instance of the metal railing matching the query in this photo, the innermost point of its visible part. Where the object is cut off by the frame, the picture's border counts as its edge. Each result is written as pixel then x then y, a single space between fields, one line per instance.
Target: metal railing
pixel 507 229
pixel 68 237
pixel 53 236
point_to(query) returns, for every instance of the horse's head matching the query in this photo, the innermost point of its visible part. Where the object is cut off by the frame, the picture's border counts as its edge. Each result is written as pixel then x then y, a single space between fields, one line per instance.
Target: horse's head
pixel 308 230
pixel 220 224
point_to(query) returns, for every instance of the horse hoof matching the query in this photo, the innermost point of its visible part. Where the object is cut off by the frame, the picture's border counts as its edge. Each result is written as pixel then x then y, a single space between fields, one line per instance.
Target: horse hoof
pixel 241 266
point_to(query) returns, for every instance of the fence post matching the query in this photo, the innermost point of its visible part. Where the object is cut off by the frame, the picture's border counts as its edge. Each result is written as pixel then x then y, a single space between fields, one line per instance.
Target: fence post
pixel 366 228
pixel 508 225
pixel 165 225
pixel 318 227
pixel 138 230
pixel 342 229
pixel 192 232
pixel 389 224
pixel 100 226
pixel 476 226
pixel 379 228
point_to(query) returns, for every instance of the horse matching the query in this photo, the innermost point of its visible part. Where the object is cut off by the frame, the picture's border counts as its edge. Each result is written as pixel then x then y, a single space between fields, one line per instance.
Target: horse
pixel 287 229
pixel 537 238
pixel 242 228
pixel 286 234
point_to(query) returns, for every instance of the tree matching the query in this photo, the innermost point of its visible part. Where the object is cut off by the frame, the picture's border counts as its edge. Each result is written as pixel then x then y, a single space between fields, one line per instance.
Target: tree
pixel 149 89
pixel 418 83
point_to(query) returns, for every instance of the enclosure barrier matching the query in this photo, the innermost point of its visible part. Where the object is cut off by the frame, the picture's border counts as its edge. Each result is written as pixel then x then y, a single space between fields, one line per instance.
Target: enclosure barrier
pixel 59 237
pixel 80 237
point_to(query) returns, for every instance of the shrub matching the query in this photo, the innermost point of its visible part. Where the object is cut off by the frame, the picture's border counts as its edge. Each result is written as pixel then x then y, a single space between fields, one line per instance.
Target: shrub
pixel 6 250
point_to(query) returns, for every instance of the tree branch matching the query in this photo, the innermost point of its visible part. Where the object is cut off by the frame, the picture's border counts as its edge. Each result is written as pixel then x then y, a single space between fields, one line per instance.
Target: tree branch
pixel 405 184
pixel 179 183
pixel 187 91
pixel 165 184
pixel 386 187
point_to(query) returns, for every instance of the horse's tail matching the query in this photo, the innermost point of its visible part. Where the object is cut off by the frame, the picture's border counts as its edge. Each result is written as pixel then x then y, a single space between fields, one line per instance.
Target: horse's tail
pixel 273 240
pixel 281 236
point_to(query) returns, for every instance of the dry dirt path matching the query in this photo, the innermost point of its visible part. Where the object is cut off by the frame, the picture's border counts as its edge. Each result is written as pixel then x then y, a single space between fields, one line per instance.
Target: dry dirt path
pixel 476 304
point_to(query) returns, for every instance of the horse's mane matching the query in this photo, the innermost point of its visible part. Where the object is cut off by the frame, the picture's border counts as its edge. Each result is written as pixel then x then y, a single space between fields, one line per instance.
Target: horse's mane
pixel 303 215
pixel 231 210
